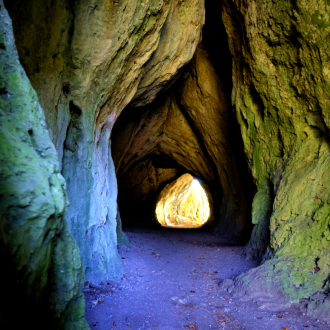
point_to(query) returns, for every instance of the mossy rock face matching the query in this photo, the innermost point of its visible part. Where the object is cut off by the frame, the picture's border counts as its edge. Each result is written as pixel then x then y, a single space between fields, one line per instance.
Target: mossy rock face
pixel 87 62
pixel 281 96
pixel 33 202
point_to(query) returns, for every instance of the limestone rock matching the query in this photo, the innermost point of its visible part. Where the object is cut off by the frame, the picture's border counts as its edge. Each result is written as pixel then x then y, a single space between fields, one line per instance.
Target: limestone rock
pixel 281 92
pixel 203 97
pixel 33 202
pixel 183 203
pixel 87 61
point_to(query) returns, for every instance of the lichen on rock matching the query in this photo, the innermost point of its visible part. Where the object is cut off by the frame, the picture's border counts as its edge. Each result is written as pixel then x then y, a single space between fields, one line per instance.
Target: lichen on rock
pixel 281 99
pixel 103 64
pixel 33 202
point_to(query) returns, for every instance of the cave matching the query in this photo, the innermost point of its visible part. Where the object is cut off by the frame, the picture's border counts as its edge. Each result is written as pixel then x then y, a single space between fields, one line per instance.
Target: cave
pixel 184 203
pixel 128 118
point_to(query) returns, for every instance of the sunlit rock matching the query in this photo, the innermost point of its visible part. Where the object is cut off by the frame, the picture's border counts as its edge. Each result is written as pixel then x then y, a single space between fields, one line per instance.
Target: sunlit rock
pixel 151 147
pixel 262 134
pixel 183 203
pixel 204 99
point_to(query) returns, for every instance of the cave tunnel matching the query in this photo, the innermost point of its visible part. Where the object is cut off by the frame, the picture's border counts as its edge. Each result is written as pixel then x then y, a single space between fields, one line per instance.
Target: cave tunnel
pixel 164 153
pixel 153 145
pixel 151 149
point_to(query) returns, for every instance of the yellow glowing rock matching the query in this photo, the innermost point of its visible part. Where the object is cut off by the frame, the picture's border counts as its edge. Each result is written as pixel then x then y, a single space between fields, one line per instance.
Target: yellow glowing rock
pixel 183 203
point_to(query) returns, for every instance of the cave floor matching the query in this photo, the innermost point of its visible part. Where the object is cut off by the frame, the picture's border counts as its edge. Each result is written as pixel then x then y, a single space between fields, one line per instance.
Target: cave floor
pixel 171 282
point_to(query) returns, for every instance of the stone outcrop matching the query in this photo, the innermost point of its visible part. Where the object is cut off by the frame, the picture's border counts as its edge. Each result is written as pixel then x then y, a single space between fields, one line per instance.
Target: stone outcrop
pixel 87 61
pixel 41 274
pixel 281 95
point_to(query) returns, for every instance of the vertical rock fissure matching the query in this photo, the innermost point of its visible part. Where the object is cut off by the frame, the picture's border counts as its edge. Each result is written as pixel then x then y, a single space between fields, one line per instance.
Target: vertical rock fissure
pixel 215 187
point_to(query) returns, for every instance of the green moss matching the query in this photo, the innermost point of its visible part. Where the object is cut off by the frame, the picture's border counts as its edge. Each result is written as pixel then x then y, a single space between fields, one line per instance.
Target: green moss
pixel 262 204
pixel 282 107
pixel 33 202
pixel 67 300
pixel 317 18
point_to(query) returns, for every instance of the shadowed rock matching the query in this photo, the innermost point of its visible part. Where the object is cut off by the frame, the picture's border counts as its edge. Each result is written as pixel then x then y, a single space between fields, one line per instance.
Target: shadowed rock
pixel 281 95
pixel 41 275
pixel 92 60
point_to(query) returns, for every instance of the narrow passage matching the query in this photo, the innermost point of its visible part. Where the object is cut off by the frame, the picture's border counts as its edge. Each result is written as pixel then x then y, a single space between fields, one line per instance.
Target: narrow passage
pixel 171 282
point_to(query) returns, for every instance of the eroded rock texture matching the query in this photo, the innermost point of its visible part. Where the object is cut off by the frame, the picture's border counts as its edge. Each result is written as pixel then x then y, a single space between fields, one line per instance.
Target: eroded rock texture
pixel 190 125
pixel 281 95
pixel 205 101
pixel 87 61
pixel 41 272
pixel 184 203
pixel 150 150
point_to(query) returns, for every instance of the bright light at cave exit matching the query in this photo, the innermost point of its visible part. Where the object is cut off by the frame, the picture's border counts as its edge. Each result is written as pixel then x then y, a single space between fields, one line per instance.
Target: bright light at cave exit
pixel 184 204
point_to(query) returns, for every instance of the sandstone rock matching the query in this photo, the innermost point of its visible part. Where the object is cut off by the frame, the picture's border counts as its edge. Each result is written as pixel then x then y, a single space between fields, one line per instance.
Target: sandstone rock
pixel 87 62
pixel 224 284
pixel 281 96
pixel 180 35
pixel 150 149
pixel 203 97
pixel 35 246
pixel 261 211
pixel 183 203
pixel 195 133
pixel 138 188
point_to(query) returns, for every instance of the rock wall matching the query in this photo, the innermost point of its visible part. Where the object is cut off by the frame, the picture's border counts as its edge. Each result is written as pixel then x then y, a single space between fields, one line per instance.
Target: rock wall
pixel 281 89
pixel 204 98
pixel 192 125
pixel 42 274
pixel 138 189
pixel 87 60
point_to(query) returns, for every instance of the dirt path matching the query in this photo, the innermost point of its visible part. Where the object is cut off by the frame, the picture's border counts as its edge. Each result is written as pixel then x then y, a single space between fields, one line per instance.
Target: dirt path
pixel 171 283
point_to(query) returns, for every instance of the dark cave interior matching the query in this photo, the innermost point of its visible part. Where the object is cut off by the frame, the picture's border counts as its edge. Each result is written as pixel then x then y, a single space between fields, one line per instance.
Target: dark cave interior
pixel 144 168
